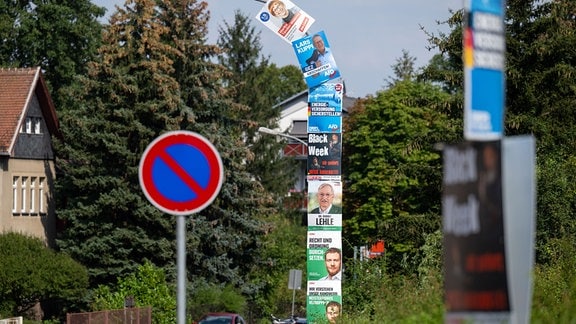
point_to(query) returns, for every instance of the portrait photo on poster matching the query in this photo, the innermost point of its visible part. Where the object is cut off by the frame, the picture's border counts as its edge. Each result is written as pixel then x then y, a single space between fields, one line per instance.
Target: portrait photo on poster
pixel 325 197
pixel 316 59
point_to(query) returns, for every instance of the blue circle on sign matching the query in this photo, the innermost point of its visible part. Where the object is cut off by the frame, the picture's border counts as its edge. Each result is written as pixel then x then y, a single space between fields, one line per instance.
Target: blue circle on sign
pixel 192 161
pixel 264 16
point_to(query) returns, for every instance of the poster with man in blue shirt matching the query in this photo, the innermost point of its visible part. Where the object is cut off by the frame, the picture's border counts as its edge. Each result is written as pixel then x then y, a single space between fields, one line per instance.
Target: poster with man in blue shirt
pixel 316 59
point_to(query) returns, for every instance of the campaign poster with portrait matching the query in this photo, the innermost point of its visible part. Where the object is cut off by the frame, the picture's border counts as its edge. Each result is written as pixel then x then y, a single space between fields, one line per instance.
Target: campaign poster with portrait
pixel 316 59
pixel 475 276
pixel 285 19
pixel 324 255
pixel 325 108
pixel 325 154
pixel 324 197
pixel 324 301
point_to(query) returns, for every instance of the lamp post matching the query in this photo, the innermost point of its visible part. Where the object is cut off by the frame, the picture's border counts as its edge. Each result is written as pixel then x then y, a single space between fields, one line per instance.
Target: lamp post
pixel 269 131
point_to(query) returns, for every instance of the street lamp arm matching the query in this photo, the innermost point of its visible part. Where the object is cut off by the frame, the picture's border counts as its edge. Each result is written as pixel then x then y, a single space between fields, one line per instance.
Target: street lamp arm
pixel 269 131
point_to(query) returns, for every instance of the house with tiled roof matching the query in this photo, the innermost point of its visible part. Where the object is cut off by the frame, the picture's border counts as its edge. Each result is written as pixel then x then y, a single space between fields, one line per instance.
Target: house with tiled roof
pixel 27 123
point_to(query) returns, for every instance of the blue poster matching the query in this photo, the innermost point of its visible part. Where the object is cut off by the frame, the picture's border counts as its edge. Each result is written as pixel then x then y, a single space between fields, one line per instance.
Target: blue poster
pixel 316 60
pixel 492 6
pixel 325 108
pixel 484 63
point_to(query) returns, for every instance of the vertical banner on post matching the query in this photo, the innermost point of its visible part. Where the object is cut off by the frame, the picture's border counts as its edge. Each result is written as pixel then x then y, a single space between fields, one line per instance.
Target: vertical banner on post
pixel 475 276
pixel 324 265
pixel 484 60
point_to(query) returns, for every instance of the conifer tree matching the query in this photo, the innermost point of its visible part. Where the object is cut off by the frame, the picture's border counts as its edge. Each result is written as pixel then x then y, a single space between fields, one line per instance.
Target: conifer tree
pixel 128 99
pixel 260 86
pixel 155 74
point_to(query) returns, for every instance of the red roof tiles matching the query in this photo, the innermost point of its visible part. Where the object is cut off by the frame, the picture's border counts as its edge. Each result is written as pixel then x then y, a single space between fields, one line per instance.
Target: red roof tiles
pixel 17 86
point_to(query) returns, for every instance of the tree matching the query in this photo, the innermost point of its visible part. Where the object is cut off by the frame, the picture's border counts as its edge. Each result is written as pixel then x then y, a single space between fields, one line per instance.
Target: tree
pixel 539 95
pixel 59 36
pixel 128 98
pixel 393 173
pixel 148 287
pixel 403 69
pixel 226 236
pixel 249 72
pixel 155 74
pixel 31 273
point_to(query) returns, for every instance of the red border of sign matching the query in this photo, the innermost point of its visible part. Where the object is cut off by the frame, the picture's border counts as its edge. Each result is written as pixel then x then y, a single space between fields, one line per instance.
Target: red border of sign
pixel 157 149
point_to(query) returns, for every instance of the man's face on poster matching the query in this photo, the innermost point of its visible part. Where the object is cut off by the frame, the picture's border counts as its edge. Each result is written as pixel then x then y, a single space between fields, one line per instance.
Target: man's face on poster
pixel 325 197
pixel 332 312
pixel 319 44
pixel 333 263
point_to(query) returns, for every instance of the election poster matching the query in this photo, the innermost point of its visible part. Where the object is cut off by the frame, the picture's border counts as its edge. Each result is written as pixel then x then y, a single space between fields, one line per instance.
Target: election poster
pixel 475 282
pixel 316 59
pixel 324 154
pixel 325 108
pixel 285 19
pixel 328 196
pixel 324 255
pixel 484 65
pixel 324 301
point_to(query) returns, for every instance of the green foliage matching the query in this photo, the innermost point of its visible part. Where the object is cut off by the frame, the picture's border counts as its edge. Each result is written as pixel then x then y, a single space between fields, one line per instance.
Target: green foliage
pixel 59 36
pixel 285 244
pixel 540 94
pixel 372 295
pixel 147 286
pixel 249 73
pixel 207 298
pixel 393 173
pixel 555 284
pixel 30 273
pixel 128 98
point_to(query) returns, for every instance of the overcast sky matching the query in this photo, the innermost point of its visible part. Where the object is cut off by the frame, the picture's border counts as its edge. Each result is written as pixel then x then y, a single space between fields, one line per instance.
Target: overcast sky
pixel 366 36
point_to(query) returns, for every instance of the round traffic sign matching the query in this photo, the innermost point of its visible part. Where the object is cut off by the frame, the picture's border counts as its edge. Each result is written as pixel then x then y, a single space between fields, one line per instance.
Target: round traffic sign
pixel 181 172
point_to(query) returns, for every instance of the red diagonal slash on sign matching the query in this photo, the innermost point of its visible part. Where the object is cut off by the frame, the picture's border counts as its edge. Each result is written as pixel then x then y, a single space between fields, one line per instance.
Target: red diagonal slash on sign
pixel 181 172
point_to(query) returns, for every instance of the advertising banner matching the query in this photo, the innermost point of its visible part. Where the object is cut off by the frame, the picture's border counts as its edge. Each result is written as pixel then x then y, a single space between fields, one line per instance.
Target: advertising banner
pixel 285 19
pixel 324 301
pixel 316 60
pixel 324 154
pixel 475 282
pixel 325 108
pixel 324 254
pixel 484 62
pixel 320 197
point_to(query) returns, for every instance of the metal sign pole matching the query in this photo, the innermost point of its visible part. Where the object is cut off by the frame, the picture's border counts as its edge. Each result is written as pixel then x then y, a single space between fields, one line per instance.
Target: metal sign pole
pixel 181 264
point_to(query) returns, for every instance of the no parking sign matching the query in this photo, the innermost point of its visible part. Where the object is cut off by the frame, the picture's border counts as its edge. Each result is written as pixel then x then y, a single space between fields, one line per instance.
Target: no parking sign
pixel 181 172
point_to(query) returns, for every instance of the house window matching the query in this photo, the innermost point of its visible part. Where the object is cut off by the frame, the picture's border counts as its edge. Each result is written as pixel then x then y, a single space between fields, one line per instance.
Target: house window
pixel 23 196
pixel 33 195
pixel 14 194
pixel 28 196
pixel 32 125
pixel 41 192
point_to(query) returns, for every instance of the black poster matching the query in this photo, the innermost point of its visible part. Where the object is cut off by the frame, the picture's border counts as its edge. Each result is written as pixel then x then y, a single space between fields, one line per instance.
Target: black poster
pixel 473 225
pixel 324 153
